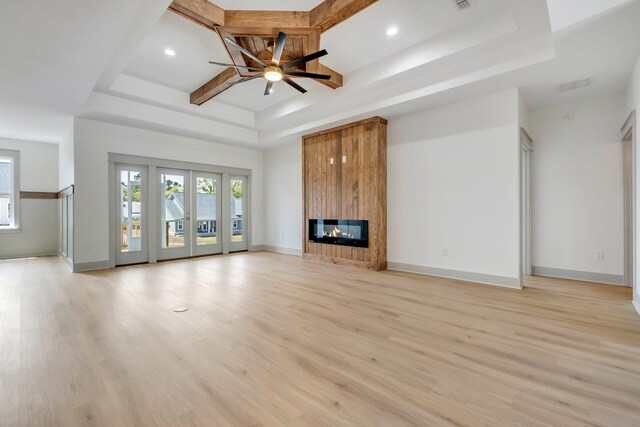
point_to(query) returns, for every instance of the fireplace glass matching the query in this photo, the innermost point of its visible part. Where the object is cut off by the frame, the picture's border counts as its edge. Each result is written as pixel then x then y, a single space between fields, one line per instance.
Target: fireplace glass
pixel 346 232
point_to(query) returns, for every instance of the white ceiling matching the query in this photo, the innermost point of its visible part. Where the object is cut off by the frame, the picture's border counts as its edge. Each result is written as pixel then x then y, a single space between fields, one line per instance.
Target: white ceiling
pixel 599 50
pixel 189 68
pixel 51 63
pixel 566 13
pixel 362 40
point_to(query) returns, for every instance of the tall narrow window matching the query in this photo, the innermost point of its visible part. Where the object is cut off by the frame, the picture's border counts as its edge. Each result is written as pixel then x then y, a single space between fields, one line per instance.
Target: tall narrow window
pixel 9 189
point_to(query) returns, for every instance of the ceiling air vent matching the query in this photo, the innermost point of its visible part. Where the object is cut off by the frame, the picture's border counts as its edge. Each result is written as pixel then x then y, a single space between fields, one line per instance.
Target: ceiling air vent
pixel 576 84
pixel 463 4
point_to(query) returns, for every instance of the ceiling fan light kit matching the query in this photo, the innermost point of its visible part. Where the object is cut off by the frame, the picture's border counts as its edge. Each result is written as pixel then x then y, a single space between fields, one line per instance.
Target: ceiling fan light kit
pixel 254 42
pixel 274 72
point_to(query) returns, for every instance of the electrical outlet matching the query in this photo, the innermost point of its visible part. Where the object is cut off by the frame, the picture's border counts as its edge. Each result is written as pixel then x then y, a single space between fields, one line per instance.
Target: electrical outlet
pixel 444 251
pixel 600 255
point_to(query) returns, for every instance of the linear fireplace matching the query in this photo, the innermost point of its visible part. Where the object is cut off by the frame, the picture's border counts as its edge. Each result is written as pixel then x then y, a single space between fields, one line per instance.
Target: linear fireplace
pixel 346 232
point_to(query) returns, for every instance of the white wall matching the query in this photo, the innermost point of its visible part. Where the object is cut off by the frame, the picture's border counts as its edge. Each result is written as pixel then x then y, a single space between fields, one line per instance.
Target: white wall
pixel 578 186
pixel 94 140
pixel 65 159
pixel 283 184
pixel 633 104
pixel 38 218
pixel 524 114
pixel 453 184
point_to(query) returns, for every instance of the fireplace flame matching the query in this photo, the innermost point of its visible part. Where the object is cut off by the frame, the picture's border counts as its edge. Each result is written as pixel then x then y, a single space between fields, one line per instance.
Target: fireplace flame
pixel 336 233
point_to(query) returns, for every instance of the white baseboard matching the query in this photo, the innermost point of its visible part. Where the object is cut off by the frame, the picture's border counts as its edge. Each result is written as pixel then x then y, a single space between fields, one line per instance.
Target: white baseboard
pixel 90 266
pixel 584 276
pixel 66 260
pixel 467 276
pixel 28 255
pixel 636 302
pixel 278 249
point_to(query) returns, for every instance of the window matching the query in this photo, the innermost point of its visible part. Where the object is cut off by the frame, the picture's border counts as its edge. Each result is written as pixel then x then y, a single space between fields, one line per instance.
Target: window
pixel 9 196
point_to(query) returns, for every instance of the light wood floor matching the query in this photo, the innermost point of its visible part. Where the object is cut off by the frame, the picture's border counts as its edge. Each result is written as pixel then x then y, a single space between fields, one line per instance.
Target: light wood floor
pixel 271 340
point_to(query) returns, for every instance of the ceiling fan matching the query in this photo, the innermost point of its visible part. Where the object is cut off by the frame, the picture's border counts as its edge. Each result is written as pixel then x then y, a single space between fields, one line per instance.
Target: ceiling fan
pixel 275 72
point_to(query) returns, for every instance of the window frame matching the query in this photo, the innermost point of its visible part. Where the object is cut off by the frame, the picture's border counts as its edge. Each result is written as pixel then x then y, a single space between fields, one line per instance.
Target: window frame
pixel 14 197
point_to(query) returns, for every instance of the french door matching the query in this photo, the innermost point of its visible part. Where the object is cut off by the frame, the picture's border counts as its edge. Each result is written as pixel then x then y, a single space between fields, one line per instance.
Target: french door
pixel 238 224
pixel 174 228
pixel 189 214
pixel 178 213
pixel 207 213
pixel 131 214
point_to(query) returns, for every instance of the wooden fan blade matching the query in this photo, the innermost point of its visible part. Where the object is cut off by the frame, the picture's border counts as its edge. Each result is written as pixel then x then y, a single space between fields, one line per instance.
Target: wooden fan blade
pixel 269 88
pixel 304 59
pixel 235 66
pixel 309 75
pixel 278 48
pixel 245 51
pixel 293 84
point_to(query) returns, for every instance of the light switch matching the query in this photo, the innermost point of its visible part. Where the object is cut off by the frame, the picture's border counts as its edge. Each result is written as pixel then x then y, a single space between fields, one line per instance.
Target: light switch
pixel 344 159
pixel 331 161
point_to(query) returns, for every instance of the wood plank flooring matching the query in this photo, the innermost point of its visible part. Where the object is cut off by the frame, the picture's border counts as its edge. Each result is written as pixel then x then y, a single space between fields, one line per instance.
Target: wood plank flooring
pixel 272 340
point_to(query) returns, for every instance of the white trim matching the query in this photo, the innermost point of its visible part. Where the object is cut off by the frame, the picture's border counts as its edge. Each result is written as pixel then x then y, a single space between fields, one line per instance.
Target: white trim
pixel 66 260
pixel 175 164
pixel 636 303
pixel 10 230
pixel 278 249
pixel 90 266
pixel 29 254
pixel 467 276
pixel 583 276
pixel 14 200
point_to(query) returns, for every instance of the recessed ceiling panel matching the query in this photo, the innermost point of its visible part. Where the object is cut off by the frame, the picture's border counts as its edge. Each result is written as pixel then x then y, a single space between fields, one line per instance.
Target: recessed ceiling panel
pixel 189 68
pixel 363 39
pixel 250 95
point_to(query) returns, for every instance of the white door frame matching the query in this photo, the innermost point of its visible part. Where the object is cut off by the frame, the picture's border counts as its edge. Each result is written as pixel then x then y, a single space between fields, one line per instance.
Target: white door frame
pixel 629 170
pixel 182 251
pixel 153 206
pixel 526 149
pixel 199 250
pixel 142 256
pixel 246 220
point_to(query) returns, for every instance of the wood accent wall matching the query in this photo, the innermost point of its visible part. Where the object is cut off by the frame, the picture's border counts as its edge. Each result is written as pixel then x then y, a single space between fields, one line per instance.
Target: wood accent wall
pixel 356 189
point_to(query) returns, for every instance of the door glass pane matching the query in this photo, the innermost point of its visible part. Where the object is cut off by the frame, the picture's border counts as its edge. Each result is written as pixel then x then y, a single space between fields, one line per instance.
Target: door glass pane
pixel 173 209
pixel 131 211
pixel 206 208
pixel 237 223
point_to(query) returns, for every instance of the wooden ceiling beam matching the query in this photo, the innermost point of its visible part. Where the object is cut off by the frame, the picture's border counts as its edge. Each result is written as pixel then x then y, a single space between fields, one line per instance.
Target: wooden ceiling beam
pixel 265 19
pixel 330 13
pixel 336 78
pixel 201 12
pixel 215 86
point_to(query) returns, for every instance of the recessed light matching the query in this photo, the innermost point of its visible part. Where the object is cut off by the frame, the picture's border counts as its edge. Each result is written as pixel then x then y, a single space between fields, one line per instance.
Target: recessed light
pixel 169 52
pixel 271 90
pixel 392 31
